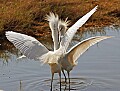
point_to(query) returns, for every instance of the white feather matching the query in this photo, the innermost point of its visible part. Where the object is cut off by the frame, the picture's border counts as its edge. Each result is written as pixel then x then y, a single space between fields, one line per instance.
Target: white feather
pixel 58 28
pixel 21 57
pixel 53 23
pixel 73 29
pixel 29 46
pixel 52 57
pixel 76 51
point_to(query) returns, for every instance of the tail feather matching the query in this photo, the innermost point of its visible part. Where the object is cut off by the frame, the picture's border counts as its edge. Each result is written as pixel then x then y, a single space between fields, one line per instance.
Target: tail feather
pixel 49 58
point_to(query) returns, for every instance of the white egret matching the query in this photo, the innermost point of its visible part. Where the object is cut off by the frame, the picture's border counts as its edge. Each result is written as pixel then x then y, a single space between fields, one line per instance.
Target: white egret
pixel 55 23
pixel 70 58
pixel 33 49
pixel 58 28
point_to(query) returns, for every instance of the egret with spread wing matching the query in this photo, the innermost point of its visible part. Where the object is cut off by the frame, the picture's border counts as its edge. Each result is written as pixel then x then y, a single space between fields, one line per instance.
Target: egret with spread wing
pixel 58 28
pixel 70 58
pixel 33 49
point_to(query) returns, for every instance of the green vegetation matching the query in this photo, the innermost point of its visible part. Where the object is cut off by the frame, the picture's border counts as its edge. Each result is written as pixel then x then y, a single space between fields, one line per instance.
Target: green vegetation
pixel 27 16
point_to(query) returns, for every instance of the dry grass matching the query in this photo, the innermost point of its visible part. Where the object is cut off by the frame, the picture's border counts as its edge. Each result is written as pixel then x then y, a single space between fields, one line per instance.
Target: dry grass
pixel 17 14
pixel 28 15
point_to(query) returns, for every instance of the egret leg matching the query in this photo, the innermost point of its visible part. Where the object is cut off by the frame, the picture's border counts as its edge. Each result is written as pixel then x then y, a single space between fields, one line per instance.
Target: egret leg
pixel 69 79
pixel 64 76
pixel 52 81
pixel 60 79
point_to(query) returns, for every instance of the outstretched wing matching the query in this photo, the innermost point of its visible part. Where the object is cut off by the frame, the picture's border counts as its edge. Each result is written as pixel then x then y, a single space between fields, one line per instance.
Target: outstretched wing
pixel 73 29
pixel 53 23
pixel 81 47
pixel 29 46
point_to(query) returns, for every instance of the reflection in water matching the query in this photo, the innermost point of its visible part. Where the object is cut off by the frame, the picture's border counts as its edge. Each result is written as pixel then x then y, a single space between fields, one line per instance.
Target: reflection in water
pixel 4 56
pixel 76 84
pixel 21 88
pixel 6 49
pixel 96 71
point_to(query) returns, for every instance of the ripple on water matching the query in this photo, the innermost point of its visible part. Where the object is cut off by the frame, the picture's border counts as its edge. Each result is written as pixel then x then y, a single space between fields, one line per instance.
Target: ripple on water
pixel 77 84
pixel 44 85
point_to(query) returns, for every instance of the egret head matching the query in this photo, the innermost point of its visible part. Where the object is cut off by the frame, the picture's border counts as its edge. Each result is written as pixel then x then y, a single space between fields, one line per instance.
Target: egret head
pixel 62 26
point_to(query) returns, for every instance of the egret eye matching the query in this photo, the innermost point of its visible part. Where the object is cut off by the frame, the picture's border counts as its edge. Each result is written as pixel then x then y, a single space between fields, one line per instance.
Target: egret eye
pixel 62 29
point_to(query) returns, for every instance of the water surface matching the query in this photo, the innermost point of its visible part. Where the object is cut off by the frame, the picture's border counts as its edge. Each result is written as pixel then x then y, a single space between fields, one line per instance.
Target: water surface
pixel 97 70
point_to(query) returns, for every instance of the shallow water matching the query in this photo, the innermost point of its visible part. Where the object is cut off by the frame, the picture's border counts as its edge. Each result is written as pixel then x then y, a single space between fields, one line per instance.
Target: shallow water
pixel 97 70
